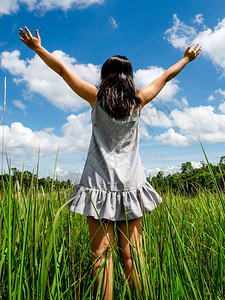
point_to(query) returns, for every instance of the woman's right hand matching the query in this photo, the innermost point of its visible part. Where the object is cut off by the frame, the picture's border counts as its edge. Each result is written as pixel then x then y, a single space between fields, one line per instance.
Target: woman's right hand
pixel 29 40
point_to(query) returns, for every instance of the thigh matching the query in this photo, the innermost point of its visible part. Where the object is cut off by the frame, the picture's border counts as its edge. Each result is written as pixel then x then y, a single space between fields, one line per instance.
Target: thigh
pixel 101 235
pixel 129 232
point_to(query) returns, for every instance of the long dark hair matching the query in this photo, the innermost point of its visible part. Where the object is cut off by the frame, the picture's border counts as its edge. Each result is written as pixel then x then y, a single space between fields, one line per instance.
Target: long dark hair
pixel 117 93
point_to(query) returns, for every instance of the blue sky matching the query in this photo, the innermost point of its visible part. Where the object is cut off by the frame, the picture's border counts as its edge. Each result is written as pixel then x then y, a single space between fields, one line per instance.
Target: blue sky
pixel 41 111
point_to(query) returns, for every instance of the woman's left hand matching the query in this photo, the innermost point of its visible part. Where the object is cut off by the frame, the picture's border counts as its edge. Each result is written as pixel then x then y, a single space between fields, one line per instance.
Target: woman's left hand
pixel 29 40
pixel 191 54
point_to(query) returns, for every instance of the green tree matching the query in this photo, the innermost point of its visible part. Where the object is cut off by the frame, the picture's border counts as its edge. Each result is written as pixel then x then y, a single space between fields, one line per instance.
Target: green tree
pixel 186 167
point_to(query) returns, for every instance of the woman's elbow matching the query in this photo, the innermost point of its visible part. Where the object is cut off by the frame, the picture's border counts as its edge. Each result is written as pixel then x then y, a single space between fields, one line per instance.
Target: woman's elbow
pixel 61 72
pixel 166 77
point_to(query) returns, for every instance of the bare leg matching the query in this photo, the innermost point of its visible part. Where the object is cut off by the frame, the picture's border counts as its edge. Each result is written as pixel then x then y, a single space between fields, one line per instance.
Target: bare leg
pixel 135 233
pixel 101 245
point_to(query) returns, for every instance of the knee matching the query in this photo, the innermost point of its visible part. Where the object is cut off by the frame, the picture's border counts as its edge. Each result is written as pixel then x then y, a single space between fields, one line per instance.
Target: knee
pixel 100 255
pixel 103 251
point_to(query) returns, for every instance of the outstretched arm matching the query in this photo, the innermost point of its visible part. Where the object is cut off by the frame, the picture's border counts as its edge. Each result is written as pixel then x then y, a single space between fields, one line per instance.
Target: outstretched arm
pixel 149 92
pixel 84 89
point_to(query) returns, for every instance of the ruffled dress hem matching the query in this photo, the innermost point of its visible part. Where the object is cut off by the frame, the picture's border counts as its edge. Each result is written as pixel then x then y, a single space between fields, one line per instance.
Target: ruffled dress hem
pixel 113 205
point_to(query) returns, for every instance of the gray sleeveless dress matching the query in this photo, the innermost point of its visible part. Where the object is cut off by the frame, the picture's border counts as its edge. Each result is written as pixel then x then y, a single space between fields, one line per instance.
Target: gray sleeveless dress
pixel 113 184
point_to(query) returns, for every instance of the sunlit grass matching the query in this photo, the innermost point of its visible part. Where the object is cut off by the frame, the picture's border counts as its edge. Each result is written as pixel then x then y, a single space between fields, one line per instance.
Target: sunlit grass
pixel 45 249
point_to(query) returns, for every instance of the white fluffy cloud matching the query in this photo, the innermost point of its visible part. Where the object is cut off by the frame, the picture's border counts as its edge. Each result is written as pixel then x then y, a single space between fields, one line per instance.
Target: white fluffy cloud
pixel 212 42
pixel 220 92
pixel 194 123
pixel 12 6
pixel 211 98
pixel 143 132
pixel 19 104
pixel 166 171
pixel 199 121
pixel 49 129
pixel 222 107
pixel 40 79
pixel 150 116
pixel 61 174
pixel 76 135
pixel 8 7
pixel 196 165
pixel 169 169
pixel 181 35
pixel 217 95
pixel 198 19
pixel 173 138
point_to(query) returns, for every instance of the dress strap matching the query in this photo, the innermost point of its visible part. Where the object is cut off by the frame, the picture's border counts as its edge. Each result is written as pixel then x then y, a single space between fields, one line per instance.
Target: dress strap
pixel 98 87
pixel 102 105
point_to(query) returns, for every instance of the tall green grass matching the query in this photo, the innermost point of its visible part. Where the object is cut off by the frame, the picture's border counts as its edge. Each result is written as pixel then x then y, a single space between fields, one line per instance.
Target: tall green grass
pixel 45 249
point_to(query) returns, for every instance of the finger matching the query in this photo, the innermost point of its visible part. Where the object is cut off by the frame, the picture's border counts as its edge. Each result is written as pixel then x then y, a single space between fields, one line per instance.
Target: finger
pixel 21 31
pixel 189 47
pixel 197 53
pixel 37 34
pixel 28 31
pixel 23 34
pixel 23 41
pixel 195 47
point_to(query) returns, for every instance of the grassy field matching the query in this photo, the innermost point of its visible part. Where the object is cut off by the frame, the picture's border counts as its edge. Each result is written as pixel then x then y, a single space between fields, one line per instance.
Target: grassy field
pixel 45 249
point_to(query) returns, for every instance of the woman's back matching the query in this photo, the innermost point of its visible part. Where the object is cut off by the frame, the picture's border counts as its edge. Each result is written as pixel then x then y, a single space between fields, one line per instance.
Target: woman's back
pixel 113 176
pixel 113 161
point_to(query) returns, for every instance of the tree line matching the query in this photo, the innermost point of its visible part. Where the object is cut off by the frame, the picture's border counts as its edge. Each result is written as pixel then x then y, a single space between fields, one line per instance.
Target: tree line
pixel 188 180
pixel 27 179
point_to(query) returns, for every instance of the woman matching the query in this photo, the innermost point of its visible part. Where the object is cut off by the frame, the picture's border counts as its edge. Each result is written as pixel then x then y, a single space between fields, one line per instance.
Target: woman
pixel 113 187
